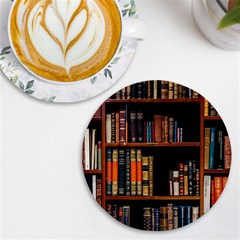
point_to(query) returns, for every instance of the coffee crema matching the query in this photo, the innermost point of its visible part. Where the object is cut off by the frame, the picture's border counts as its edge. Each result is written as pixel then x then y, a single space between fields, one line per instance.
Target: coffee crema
pixel 65 40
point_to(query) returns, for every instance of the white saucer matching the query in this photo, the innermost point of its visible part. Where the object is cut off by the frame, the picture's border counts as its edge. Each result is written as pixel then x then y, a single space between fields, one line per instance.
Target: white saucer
pixel 49 92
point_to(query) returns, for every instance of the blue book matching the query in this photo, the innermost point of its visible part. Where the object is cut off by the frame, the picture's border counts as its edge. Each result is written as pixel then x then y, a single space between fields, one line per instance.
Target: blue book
pixel 175 131
pixel 212 146
pixel 128 174
pixel 181 210
pixel 156 219
pixel 121 172
pixel 188 215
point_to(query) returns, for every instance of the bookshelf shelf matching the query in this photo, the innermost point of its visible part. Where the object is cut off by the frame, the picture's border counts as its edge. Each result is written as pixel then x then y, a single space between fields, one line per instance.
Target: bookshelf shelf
pixel 183 144
pixel 212 118
pixel 216 171
pixel 151 148
pixel 182 100
pixel 92 171
pixel 153 198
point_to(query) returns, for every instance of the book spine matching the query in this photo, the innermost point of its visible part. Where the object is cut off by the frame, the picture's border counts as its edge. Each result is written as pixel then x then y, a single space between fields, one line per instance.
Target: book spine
pixel 140 127
pixel 170 216
pixel 133 126
pixel 176 91
pixel 170 183
pixel 114 211
pixel 155 89
pixel 121 172
pixel 218 185
pixel 212 146
pixel 99 158
pixel 149 89
pixel 158 128
pixel 145 176
pixel 163 218
pixel 206 148
pixel 133 91
pixel 99 191
pixel 212 192
pixel 170 90
pixel 93 139
pixel 94 186
pixel 227 153
pixel 171 129
pixel 87 150
pixel 180 91
pixel 123 93
pixel 190 178
pixel 139 172
pixel 151 163
pixel 206 197
pixel 120 214
pixel 126 215
pixel 195 213
pixel 164 89
pixel 175 217
pixel 185 173
pixel 163 129
pixel 175 130
pixel 109 171
pixel 128 173
pixel 109 209
pixel 113 125
pixel 117 127
pixel 133 170
pixel 147 220
pixel 166 130
pixel 176 183
pixel 206 108
pixel 139 90
pixel 197 182
pixel 115 172
pixel 108 128
pixel 122 126
pixel 188 215
pixel 181 179
pixel 152 219
pixel 144 90
pixel 156 219
pixel 194 176
pixel 128 92
pixel 181 216
pixel 212 110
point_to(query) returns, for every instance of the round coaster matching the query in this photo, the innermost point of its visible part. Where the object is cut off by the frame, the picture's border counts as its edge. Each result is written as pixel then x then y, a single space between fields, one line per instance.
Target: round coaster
pixel 156 156
pixel 51 92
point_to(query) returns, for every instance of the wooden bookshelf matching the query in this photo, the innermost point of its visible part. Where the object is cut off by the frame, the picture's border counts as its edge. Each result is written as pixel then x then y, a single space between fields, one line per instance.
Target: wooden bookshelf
pixel 167 155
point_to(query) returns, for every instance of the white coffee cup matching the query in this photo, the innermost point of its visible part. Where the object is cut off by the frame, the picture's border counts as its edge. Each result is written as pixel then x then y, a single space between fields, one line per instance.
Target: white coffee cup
pixel 46 48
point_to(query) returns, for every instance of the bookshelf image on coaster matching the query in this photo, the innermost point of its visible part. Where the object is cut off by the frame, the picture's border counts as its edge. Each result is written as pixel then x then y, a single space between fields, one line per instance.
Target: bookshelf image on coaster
pixel 156 155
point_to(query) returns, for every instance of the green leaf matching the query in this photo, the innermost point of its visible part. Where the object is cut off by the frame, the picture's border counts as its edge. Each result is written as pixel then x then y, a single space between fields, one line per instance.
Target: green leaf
pixel 126 5
pixel 124 12
pixel 6 49
pixel 115 60
pixel 21 85
pixel 231 18
pixel 93 80
pixel 133 10
pixel 30 84
pixel 29 91
pixel 2 58
pixel 51 99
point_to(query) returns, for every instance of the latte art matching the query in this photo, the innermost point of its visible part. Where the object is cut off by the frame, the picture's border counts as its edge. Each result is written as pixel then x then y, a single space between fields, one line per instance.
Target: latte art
pixel 65 40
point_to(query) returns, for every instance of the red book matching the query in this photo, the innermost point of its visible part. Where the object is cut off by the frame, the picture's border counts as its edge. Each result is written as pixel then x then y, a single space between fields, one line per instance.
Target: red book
pixel 115 172
pixel 117 127
pixel 181 179
pixel 218 185
pixel 133 171
pixel 212 193
pixel 158 128
pixel 139 172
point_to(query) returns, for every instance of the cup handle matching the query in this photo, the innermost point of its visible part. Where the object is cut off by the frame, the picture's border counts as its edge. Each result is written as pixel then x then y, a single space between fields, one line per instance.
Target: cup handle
pixel 134 29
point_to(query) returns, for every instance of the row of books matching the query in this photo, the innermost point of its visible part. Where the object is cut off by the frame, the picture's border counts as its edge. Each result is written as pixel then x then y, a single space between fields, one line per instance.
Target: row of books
pixel 209 109
pixel 92 151
pixel 185 181
pixel 155 90
pixel 213 187
pixel 168 217
pixel 95 185
pixel 120 213
pixel 129 173
pixel 217 149
pixel 163 129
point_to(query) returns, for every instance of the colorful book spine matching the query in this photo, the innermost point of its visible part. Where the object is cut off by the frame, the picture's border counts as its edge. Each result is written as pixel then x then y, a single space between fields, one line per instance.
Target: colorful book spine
pixel 108 128
pixel 170 90
pixel 175 183
pixel 181 179
pixel 212 201
pixel 128 173
pixel 163 218
pixel 117 127
pixel 218 187
pixel 115 172
pixel 195 213
pixel 188 215
pixel 190 178
pixel 164 89
pixel 99 191
pixel 156 219
pixel 227 153
pixel 176 91
pixel 175 217
pixel 207 193
pixel 158 128
pixel 170 216
pixel 185 173
pixel 121 172
pixel 139 172
pixel 145 176
pixel 113 128
pixel 151 163
pixel 219 154
pixel 181 216
pixel 133 171
pixel 206 148
pixel 170 183
pixel 126 215
pixel 171 129
pixel 99 158
pixel 109 171
pixel 206 108
pixel 147 219
pixel 212 147
pixel 122 126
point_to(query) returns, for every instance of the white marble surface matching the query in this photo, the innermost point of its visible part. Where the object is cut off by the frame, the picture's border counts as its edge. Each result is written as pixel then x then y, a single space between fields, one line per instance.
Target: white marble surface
pixel 43 192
